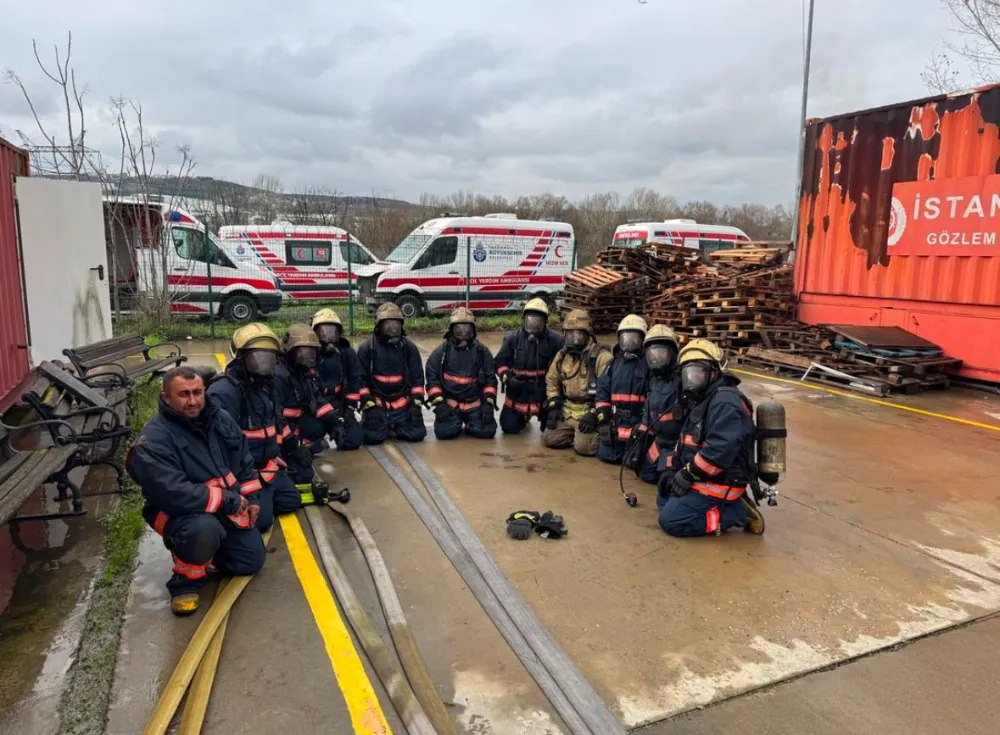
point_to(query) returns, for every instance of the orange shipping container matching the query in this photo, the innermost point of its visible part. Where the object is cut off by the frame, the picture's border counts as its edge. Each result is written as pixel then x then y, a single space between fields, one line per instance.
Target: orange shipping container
pixel 899 220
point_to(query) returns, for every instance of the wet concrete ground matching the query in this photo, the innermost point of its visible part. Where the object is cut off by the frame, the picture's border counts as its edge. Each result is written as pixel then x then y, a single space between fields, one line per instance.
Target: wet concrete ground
pixel 46 569
pixel 887 531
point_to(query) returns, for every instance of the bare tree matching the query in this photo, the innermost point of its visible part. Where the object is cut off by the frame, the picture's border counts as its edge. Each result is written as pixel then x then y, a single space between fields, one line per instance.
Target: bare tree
pixel 64 151
pixel 266 198
pixel 317 205
pixel 978 28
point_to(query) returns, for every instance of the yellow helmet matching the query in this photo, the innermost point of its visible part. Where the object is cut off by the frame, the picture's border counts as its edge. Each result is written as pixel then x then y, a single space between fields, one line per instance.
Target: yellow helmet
pixel 536 304
pixel 461 315
pixel 577 319
pixel 326 316
pixel 254 336
pixel 299 335
pixel 633 322
pixel 388 310
pixel 661 333
pixel 702 349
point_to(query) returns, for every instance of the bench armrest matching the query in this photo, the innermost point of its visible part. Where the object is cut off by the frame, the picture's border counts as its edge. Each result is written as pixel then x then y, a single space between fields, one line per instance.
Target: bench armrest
pixel 60 430
pixel 149 351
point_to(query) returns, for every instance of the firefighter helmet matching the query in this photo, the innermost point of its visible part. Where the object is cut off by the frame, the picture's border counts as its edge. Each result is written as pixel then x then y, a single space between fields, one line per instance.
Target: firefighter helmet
pixel 388 310
pixel 299 335
pixel 254 336
pixel 660 333
pixel 326 316
pixel 461 315
pixel 702 349
pixel 536 304
pixel 577 319
pixel 633 322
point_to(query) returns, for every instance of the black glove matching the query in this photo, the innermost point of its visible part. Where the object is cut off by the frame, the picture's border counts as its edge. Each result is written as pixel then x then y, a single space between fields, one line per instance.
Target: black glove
pixel 442 411
pixel 680 484
pixel 350 418
pixel 302 455
pixel 490 404
pixel 588 423
pixel 553 412
pixel 416 414
pixel 372 416
pixel 512 383
pixel 520 523
pixel 550 526
pixel 332 421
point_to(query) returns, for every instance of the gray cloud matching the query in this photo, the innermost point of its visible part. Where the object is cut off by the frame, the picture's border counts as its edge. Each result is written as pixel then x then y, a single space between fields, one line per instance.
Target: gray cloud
pixel 698 100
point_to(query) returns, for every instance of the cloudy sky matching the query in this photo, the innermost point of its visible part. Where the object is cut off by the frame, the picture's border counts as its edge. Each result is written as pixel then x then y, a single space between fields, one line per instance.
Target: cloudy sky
pixel 697 98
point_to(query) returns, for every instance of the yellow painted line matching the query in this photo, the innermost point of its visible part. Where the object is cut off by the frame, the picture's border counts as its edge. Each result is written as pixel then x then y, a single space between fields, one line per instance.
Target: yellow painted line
pixel 865 399
pixel 362 703
pixel 221 359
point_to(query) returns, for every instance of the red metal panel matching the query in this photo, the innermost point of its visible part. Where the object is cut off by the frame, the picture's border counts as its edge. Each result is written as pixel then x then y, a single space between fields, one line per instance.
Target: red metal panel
pixel 13 332
pixel 845 272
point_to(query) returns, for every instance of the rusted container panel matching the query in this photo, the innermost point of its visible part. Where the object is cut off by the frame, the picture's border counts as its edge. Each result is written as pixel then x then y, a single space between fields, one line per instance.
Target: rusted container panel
pixel 899 221
pixel 13 330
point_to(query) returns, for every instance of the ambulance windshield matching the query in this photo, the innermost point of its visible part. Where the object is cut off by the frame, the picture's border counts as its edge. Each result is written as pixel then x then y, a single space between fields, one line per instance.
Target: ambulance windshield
pixel 409 247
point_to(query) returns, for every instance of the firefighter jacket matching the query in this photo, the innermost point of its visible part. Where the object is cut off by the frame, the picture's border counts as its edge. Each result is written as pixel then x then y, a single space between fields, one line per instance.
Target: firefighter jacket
pixel 464 376
pixel 527 359
pixel 623 389
pixel 662 418
pixel 189 466
pixel 573 378
pixel 252 404
pixel 716 441
pixel 297 391
pixel 393 373
pixel 341 379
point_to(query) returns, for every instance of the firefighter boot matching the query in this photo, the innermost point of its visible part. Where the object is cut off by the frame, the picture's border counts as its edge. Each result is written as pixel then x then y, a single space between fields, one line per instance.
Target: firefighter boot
pixel 185 604
pixel 755 519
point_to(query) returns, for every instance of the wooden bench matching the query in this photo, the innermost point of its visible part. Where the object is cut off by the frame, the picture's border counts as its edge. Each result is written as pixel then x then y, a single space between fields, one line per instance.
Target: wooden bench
pixel 69 423
pixel 120 351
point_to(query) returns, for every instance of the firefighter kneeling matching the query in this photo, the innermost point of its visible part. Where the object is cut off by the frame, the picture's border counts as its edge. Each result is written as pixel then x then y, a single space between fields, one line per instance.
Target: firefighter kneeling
pixel 707 494
pixel 200 487
pixel 246 393
pixel 461 384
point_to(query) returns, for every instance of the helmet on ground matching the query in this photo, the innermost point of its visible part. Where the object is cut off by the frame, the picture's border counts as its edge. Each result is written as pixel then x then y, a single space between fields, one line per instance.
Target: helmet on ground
pixel 326 316
pixel 254 336
pixel 577 319
pixel 299 335
pixel 461 315
pixel 536 304
pixel 388 310
pixel 633 322
pixel 661 333
pixel 702 349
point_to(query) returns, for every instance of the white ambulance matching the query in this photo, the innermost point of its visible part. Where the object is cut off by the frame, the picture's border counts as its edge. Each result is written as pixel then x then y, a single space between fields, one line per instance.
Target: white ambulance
pixel 310 262
pixel 686 232
pixel 508 261
pixel 149 241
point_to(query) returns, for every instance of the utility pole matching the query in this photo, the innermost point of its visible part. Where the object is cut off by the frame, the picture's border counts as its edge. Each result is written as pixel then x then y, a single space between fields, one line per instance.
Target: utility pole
pixel 802 125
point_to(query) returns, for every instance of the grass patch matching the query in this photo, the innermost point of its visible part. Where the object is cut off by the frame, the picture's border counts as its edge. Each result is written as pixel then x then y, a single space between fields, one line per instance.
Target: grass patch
pixel 180 328
pixel 83 707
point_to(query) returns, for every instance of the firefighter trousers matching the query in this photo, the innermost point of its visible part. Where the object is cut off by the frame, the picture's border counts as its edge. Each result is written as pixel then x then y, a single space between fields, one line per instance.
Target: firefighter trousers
pixel 398 424
pixel 480 423
pixel 695 514
pixel 514 422
pixel 277 497
pixel 566 434
pixel 197 539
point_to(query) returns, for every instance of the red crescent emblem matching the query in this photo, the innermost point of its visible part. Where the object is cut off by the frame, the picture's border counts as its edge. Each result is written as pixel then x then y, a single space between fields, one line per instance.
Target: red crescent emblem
pixel 556 251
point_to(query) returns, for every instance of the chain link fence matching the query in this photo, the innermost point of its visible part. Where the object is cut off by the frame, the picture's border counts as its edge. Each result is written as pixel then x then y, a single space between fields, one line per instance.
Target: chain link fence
pixel 282 275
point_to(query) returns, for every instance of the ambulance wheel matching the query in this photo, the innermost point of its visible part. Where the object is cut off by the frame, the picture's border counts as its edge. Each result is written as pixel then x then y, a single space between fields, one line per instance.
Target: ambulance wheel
pixel 239 309
pixel 411 306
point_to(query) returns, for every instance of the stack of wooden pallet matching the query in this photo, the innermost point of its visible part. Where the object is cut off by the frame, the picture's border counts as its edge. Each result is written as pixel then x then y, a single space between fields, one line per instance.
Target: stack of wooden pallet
pixel 895 361
pixel 729 307
pixel 747 256
pixel 607 295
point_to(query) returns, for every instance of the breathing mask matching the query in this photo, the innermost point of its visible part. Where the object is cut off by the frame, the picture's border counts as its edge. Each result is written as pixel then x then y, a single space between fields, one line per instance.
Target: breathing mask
pixel 534 323
pixel 660 358
pixel 576 340
pixel 260 363
pixel 391 330
pixel 329 335
pixel 630 341
pixel 696 377
pixel 462 333
pixel 304 357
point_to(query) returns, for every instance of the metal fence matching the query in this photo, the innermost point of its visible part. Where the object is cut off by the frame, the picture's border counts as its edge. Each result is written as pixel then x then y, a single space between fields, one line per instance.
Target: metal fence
pixel 214 284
